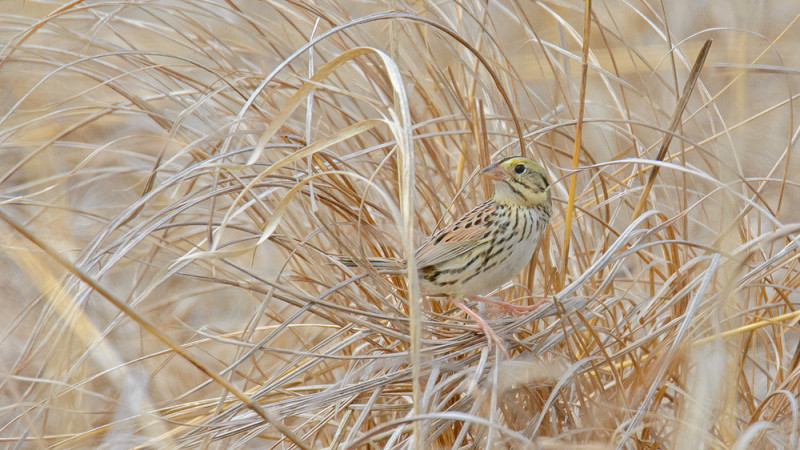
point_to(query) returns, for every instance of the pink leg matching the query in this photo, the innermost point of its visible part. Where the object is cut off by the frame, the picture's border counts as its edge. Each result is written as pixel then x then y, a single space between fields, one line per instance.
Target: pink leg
pixel 487 330
pixel 514 309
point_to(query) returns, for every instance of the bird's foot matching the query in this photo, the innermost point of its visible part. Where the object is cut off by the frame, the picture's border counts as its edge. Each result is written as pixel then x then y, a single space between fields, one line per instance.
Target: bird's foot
pixel 491 337
pixel 508 307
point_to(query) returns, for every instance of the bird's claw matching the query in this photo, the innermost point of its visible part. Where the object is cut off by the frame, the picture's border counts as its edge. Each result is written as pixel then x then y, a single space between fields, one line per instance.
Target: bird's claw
pixel 491 337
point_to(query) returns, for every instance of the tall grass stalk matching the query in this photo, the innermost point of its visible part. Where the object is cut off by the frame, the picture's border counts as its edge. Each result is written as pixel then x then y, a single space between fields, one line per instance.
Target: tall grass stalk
pixel 179 178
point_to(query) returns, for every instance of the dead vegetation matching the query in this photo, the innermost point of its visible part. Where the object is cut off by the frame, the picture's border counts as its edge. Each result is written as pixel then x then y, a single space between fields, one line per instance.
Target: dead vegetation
pixel 177 176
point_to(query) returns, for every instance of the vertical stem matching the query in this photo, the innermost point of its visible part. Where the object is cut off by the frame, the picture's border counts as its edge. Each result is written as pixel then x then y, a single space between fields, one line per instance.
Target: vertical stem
pixel 576 151
pixel 673 125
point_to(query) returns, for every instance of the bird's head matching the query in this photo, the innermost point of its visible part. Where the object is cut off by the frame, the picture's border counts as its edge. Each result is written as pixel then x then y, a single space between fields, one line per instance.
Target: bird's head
pixel 519 181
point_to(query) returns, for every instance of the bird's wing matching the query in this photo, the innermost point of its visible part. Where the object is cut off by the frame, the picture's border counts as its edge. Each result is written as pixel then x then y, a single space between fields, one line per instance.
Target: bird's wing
pixel 467 233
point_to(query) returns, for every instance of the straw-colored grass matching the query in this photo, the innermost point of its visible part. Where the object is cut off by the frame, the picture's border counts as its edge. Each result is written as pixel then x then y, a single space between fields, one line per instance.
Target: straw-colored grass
pixel 178 177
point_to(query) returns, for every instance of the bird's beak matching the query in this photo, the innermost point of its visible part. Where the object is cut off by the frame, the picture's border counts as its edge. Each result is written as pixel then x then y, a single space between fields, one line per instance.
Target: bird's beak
pixel 494 172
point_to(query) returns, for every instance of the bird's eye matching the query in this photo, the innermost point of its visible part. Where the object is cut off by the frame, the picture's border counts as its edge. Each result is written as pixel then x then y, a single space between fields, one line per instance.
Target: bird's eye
pixel 519 169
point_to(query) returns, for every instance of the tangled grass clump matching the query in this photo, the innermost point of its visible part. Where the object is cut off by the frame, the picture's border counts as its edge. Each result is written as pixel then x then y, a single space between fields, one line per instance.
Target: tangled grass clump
pixel 179 178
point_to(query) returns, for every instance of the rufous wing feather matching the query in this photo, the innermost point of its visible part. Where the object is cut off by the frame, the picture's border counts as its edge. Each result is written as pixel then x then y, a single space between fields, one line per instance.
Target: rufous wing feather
pixel 466 234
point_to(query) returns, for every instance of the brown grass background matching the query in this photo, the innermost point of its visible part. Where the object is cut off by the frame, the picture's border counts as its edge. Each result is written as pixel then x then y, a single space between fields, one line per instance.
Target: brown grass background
pixel 201 163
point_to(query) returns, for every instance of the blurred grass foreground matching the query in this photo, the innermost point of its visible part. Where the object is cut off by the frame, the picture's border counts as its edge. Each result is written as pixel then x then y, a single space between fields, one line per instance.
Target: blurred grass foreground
pixel 177 177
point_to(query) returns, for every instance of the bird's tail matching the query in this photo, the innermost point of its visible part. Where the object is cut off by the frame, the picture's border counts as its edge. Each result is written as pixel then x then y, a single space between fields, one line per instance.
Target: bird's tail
pixel 387 265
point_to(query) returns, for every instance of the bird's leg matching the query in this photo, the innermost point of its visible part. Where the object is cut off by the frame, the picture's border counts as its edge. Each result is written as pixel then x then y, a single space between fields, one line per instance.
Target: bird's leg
pixel 508 307
pixel 487 330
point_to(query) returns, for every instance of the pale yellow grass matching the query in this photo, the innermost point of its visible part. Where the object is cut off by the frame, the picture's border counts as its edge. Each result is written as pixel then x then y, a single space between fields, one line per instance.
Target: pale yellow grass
pixel 177 177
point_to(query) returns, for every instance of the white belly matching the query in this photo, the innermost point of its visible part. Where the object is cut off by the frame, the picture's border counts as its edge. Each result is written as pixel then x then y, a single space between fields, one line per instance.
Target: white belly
pixel 495 277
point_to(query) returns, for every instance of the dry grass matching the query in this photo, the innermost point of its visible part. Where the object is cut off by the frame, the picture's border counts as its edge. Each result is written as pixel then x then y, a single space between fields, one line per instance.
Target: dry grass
pixel 177 176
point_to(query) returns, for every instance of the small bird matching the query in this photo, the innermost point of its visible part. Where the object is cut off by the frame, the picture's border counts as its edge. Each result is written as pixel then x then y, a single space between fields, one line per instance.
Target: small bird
pixel 487 246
